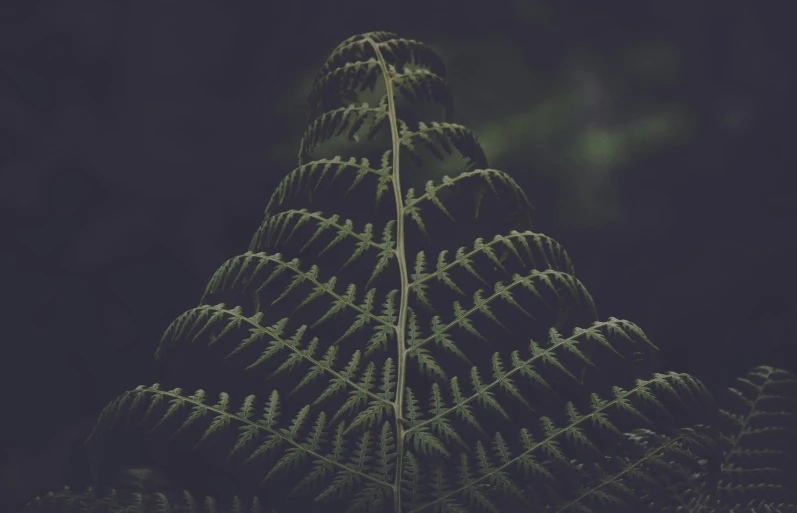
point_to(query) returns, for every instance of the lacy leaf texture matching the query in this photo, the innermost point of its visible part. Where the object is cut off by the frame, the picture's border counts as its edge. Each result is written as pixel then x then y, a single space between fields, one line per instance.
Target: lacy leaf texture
pixel 398 338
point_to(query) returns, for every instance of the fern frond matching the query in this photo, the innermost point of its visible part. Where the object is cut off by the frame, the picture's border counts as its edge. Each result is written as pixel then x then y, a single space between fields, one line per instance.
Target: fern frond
pixel 121 501
pixel 432 353
pixel 759 439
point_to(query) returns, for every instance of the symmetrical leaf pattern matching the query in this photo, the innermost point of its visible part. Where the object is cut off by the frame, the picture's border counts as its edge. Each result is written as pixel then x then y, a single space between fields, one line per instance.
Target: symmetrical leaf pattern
pixel 398 338
pixel 759 439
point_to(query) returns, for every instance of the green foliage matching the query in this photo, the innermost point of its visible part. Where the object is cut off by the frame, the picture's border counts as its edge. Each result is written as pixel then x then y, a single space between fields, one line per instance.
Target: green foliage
pixel 398 339
pixel 759 439
pixel 754 467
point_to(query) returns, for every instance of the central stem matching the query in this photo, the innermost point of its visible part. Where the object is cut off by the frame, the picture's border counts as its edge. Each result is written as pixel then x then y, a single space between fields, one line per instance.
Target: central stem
pixel 401 259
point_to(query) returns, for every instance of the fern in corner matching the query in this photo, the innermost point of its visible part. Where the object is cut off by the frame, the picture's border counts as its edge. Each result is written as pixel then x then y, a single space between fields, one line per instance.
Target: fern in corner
pixel 398 338
pixel 751 468
pixel 759 439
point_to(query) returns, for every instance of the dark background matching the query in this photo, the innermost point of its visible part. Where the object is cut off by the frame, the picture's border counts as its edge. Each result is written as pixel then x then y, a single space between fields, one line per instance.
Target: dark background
pixel 140 141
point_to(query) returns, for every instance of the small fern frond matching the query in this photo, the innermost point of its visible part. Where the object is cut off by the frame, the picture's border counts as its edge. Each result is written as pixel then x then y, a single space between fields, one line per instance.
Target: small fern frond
pixel 759 439
pixel 122 501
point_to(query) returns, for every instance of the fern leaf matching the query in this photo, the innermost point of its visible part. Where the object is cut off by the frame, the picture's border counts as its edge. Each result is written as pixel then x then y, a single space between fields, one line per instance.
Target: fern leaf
pixel 420 346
